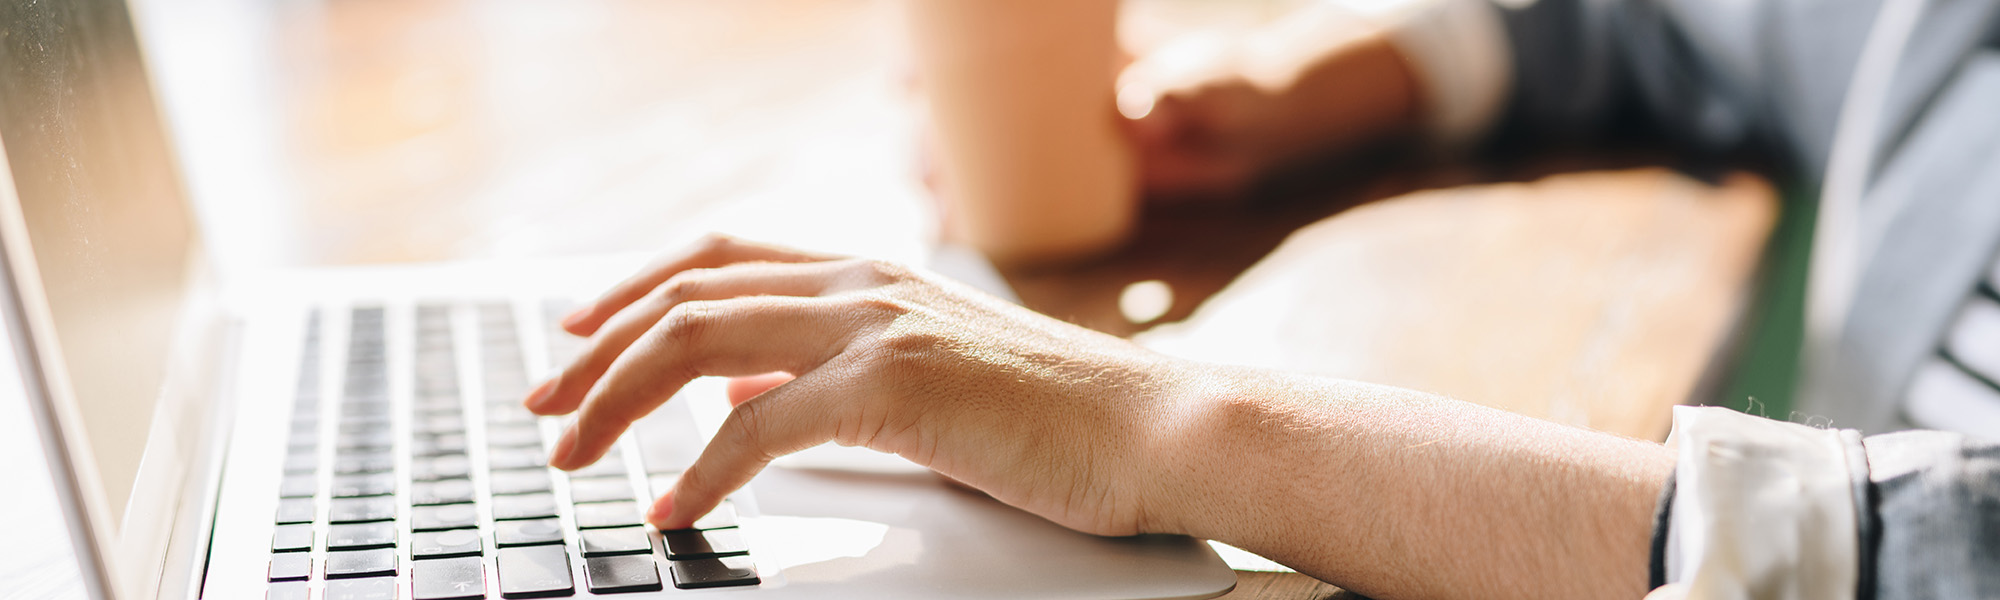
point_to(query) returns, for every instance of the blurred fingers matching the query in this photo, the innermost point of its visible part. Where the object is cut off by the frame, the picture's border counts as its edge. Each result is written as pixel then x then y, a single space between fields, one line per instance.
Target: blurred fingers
pixel 567 389
pixel 742 336
pixel 712 251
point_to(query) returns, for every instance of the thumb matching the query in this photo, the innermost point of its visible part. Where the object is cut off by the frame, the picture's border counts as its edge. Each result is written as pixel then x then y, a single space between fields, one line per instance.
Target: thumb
pixel 1671 591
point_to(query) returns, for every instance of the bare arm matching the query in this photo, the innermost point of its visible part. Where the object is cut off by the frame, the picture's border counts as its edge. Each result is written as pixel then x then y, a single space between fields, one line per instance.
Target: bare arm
pixel 1399 494
pixel 1391 493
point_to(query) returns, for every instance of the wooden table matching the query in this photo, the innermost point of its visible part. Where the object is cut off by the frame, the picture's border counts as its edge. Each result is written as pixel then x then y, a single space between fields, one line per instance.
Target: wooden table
pixel 421 130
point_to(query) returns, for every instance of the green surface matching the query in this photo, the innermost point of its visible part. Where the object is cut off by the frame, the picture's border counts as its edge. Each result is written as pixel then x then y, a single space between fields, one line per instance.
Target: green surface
pixel 1766 368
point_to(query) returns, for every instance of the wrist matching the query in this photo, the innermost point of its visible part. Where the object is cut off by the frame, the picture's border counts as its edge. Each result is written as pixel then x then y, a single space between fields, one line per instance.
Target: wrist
pixel 1229 445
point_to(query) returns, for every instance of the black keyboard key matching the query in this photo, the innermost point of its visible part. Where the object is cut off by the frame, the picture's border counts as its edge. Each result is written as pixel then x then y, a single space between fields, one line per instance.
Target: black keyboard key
pixel 291 566
pixel 437 424
pixel 366 440
pixel 295 510
pixel 448 579
pixel 447 491
pixel 621 540
pixel 508 414
pixel 438 402
pixel 292 538
pixel 714 572
pixel 621 574
pixel 524 506
pixel 527 533
pixel 363 462
pixel 519 481
pixel 298 486
pixel 301 463
pixel 364 408
pixel 288 590
pixel 600 489
pixel 447 516
pixel 360 563
pixel 372 484
pixel 516 458
pixel 437 445
pixel 361 536
pixel 446 466
pixel 606 514
pixel 694 543
pixel 362 510
pixel 445 544
pixel 508 392
pixel 534 572
pixel 373 588
pixel 526 435
pixel 361 423
pixel 724 515
pixel 612 465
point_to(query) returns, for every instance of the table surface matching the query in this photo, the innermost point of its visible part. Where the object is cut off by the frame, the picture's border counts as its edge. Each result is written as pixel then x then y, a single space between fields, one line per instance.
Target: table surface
pixel 425 130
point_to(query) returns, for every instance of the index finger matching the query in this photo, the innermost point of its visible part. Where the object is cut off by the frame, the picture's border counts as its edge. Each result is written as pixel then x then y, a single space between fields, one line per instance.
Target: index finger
pixel 714 250
pixel 743 336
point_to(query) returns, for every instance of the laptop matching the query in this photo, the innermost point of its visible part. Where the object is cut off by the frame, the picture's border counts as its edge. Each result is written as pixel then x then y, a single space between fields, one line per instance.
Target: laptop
pixel 351 434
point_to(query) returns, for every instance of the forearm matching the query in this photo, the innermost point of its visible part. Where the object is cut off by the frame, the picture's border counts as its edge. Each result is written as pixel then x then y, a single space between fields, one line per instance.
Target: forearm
pixel 1398 494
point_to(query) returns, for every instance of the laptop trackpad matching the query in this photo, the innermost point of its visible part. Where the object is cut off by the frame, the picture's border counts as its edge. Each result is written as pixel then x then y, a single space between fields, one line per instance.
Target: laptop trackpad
pixel 912 534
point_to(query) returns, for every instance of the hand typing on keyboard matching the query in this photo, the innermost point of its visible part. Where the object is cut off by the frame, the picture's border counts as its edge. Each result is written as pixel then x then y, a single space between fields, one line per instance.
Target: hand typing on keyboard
pixel 1342 480
pixel 1041 414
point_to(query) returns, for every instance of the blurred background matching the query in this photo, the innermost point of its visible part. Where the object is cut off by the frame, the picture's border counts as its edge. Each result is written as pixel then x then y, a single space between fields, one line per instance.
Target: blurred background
pixel 351 132
pixel 363 131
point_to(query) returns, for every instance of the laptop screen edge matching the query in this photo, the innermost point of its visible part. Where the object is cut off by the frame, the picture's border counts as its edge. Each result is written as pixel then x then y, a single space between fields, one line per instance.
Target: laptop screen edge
pixel 32 330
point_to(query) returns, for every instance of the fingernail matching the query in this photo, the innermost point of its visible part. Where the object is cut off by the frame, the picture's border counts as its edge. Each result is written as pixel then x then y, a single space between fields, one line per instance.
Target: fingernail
pixel 575 317
pixel 564 447
pixel 541 395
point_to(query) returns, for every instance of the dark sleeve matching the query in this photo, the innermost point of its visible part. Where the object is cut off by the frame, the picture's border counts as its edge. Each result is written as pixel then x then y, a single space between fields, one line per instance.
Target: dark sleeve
pixel 1935 500
pixel 1713 75
pixel 1719 75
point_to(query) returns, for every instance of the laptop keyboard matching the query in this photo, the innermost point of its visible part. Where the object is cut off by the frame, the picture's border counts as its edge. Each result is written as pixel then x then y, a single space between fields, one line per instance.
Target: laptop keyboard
pixel 449 497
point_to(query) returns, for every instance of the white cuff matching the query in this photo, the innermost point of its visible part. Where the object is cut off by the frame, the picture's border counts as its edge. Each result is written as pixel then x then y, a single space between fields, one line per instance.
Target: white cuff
pixel 1762 509
pixel 1459 51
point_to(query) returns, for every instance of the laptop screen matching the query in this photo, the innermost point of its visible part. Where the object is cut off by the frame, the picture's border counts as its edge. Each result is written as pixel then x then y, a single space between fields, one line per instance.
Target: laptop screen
pixel 105 212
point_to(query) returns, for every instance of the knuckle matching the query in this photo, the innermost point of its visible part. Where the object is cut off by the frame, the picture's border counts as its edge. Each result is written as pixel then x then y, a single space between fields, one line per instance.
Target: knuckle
pixel 871 273
pixel 903 356
pixel 879 304
pixel 888 272
pixel 753 422
pixel 682 287
pixel 687 323
pixel 712 243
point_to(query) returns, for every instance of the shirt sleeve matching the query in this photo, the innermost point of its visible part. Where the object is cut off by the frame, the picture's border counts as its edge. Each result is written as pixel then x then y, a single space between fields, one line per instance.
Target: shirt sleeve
pixel 1458 51
pixel 1761 508
pixel 1766 509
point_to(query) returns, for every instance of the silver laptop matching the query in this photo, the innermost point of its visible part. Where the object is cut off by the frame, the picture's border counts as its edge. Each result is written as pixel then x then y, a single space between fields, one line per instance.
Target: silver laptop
pixel 357 434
